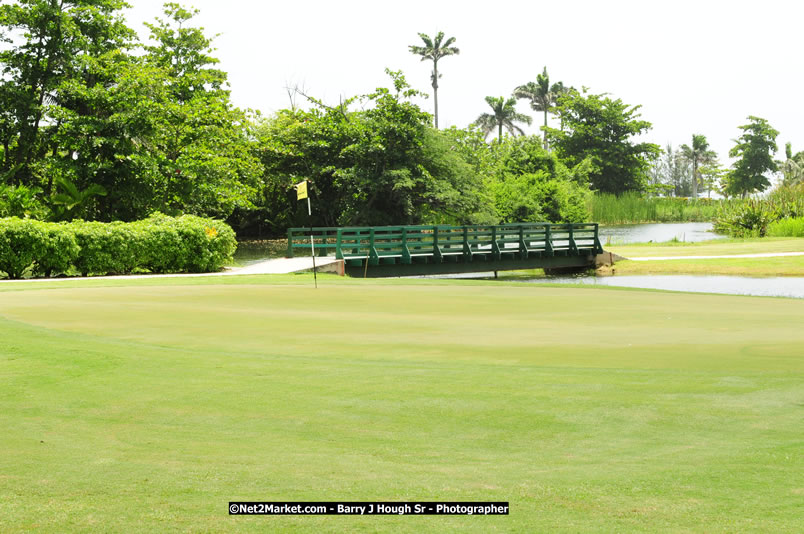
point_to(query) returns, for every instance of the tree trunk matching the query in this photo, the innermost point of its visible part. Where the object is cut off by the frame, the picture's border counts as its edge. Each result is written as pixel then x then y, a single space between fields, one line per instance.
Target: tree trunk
pixel 499 134
pixel 694 177
pixel 545 131
pixel 435 92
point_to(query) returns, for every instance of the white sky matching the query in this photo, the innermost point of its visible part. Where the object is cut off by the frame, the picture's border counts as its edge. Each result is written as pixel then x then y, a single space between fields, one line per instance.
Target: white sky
pixel 694 66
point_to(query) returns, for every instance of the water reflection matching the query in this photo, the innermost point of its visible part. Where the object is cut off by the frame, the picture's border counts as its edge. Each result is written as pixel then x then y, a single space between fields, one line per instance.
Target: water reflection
pixel 792 287
pixel 657 233
pixel 788 286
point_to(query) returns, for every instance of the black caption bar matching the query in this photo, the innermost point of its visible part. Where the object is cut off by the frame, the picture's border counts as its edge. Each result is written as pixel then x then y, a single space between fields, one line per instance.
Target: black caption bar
pixel 367 508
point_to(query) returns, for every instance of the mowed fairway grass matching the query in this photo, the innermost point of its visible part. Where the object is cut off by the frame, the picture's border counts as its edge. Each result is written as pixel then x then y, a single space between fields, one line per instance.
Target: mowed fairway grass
pixel 147 405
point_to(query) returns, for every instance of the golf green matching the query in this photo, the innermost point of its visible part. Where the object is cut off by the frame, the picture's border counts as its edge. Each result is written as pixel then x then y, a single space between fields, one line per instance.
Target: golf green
pixel 143 406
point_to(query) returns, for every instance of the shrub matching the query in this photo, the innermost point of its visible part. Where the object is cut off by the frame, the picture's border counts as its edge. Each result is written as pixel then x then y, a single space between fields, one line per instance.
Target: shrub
pixel 22 242
pixel 752 217
pixel 61 250
pixel 163 250
pixel 21 201
pixel 538 198
pixel 106 248
pixel 159 244
pixel 563 201
pixel 790 227
pixel 210 244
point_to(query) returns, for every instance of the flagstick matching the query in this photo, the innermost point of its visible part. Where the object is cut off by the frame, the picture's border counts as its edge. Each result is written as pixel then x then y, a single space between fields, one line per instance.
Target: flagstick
pixel 312 243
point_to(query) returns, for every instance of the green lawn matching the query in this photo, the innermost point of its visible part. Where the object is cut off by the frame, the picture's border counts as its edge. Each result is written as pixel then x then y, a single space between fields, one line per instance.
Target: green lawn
pixel 772 266
pixel 719 247
pixel 146 405
pixel 775 266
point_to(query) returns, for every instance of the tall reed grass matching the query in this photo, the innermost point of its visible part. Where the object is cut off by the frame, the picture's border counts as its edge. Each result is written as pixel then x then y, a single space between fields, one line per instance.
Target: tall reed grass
pixel 632 207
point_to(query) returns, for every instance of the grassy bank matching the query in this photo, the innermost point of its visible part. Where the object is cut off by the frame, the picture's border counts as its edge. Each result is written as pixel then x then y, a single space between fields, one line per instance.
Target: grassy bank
pixel 141 406
pixel 719 247
pixel 772 266
pixel 783 266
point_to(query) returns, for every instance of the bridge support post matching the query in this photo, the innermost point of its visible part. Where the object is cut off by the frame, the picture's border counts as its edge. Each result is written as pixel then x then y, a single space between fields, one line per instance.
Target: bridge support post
pixel 495 248
pixel 523 247
pixel 338 241
pixel 436 249
pixel 406 259
pixel 467 248
pixel 572 245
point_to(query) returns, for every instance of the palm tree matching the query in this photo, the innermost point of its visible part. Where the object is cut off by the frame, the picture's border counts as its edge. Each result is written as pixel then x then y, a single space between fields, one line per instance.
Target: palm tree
pixel 793 167
pixel 435 49
pixel 542 95
pixel 504 116
pixel 697 155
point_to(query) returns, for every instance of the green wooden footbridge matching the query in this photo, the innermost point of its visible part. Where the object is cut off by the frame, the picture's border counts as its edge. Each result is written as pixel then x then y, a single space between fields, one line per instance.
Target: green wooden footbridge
pixel 380 251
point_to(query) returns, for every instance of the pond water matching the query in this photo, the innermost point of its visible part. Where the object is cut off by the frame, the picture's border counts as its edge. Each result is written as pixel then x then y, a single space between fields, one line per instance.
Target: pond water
pixel 657 233
pixel 791 287
pixel 788 286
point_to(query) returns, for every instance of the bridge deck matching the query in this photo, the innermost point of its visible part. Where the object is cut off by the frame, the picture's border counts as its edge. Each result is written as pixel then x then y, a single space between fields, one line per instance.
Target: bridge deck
pixel 412 250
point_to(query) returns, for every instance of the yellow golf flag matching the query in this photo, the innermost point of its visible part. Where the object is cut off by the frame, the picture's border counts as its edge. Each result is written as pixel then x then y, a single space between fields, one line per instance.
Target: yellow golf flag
pixel 301 190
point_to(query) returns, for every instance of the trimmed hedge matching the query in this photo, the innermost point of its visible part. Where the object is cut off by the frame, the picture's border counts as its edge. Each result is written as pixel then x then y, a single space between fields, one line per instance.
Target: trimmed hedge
pixel 22 242
pixel 159 244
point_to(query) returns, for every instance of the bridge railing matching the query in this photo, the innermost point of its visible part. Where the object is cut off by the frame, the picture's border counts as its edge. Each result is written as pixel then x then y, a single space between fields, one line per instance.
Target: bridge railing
pixel 403 244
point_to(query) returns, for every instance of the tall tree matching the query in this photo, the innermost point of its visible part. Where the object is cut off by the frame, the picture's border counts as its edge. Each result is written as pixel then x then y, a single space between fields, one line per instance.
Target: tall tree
pixel 504 115
pixel 433 50
pixel 712 175
pixel 199 144
pixel 54 50
pixel 754 152
pixel 697 155
pixel 542 96
pixel 602 129
pixel 670 174
pixel 384 164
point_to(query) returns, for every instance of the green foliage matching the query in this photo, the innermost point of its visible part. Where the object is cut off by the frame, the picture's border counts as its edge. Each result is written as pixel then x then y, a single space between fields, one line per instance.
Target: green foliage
pixel 634 207
pixel 529 184
pixel 21 201
pixel 670 174
pixel 381 165
pixel 536 197
pixel 503 115
pixel 697 155
pixel 208 244
pixel 754 150
pixel 62 46
pixel 61 250
pixel 602 129
pixel 752 217
pixel 22 242
pixel 83 114
pixel 791 227
pixel 793 167
pixel 71 203
pixel 106 248
pixel 157 244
